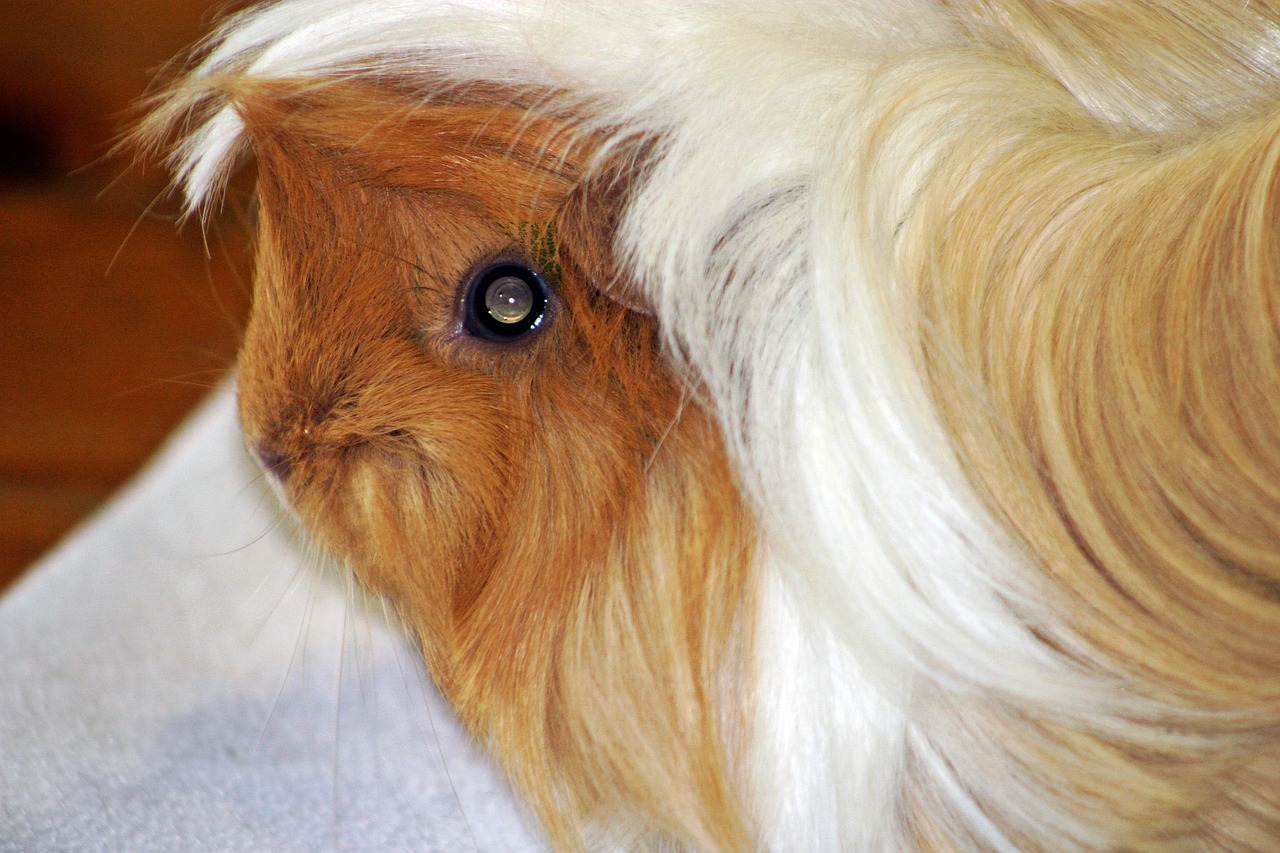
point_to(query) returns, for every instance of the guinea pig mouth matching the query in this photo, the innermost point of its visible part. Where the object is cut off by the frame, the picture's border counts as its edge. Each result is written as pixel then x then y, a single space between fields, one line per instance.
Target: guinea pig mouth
pixel 327 473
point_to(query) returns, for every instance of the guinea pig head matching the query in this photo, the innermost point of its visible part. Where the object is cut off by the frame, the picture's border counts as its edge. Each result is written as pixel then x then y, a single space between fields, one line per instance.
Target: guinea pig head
pixel 440 377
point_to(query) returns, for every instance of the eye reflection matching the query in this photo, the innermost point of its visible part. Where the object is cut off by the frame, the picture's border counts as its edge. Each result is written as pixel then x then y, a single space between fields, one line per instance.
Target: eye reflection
pixel 509 299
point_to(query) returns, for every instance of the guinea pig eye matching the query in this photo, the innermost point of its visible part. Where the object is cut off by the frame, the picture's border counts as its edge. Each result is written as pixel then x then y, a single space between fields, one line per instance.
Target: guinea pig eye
pixel 504 302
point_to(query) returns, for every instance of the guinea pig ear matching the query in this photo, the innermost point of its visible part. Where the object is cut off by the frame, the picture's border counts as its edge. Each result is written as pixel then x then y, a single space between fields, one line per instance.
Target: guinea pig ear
pixel 587 228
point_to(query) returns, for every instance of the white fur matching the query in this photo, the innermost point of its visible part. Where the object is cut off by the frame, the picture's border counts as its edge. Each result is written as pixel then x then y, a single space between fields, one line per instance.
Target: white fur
pixel 762 237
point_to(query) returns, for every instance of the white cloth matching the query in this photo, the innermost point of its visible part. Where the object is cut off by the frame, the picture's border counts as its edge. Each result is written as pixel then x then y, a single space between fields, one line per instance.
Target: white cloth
pixel 178 677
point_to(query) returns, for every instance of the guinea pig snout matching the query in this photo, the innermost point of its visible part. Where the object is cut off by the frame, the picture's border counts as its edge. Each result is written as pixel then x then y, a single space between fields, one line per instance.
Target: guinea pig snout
pixel 282 437
pixel 272 459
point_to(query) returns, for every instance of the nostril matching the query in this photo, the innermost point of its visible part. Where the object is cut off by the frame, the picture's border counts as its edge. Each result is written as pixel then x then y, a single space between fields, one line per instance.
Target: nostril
pixel 274 461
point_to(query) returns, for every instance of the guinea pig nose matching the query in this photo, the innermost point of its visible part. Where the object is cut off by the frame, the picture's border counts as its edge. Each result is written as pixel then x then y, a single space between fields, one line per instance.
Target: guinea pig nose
pixel 275 462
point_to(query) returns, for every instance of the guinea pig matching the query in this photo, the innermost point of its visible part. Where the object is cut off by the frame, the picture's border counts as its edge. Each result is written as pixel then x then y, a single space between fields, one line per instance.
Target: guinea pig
pixel 788 426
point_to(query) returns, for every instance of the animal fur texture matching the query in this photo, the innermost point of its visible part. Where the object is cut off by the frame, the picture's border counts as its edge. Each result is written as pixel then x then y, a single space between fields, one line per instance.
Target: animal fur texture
pixel 898 466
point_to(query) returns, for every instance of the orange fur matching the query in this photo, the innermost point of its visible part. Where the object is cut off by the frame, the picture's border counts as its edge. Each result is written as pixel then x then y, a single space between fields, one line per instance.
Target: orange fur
pixel 523 505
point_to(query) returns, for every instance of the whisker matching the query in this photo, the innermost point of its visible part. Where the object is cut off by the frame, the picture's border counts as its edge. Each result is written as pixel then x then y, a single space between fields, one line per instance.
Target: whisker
pixel 276 520
pixel 298 572
pixel 370 707
pixel 133 229
pixel 335 792
pixel 444 764
pixel 297 659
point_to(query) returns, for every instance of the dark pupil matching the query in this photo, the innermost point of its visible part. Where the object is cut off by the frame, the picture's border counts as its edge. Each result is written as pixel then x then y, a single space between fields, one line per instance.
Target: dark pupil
pixel 505 302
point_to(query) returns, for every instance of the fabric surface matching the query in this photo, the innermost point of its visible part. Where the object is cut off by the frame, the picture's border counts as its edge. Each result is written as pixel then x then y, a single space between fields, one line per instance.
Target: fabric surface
pixel 179 676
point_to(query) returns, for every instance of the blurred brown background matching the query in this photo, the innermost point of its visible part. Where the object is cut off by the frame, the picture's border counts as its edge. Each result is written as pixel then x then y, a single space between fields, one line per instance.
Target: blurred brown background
pixel 113 323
